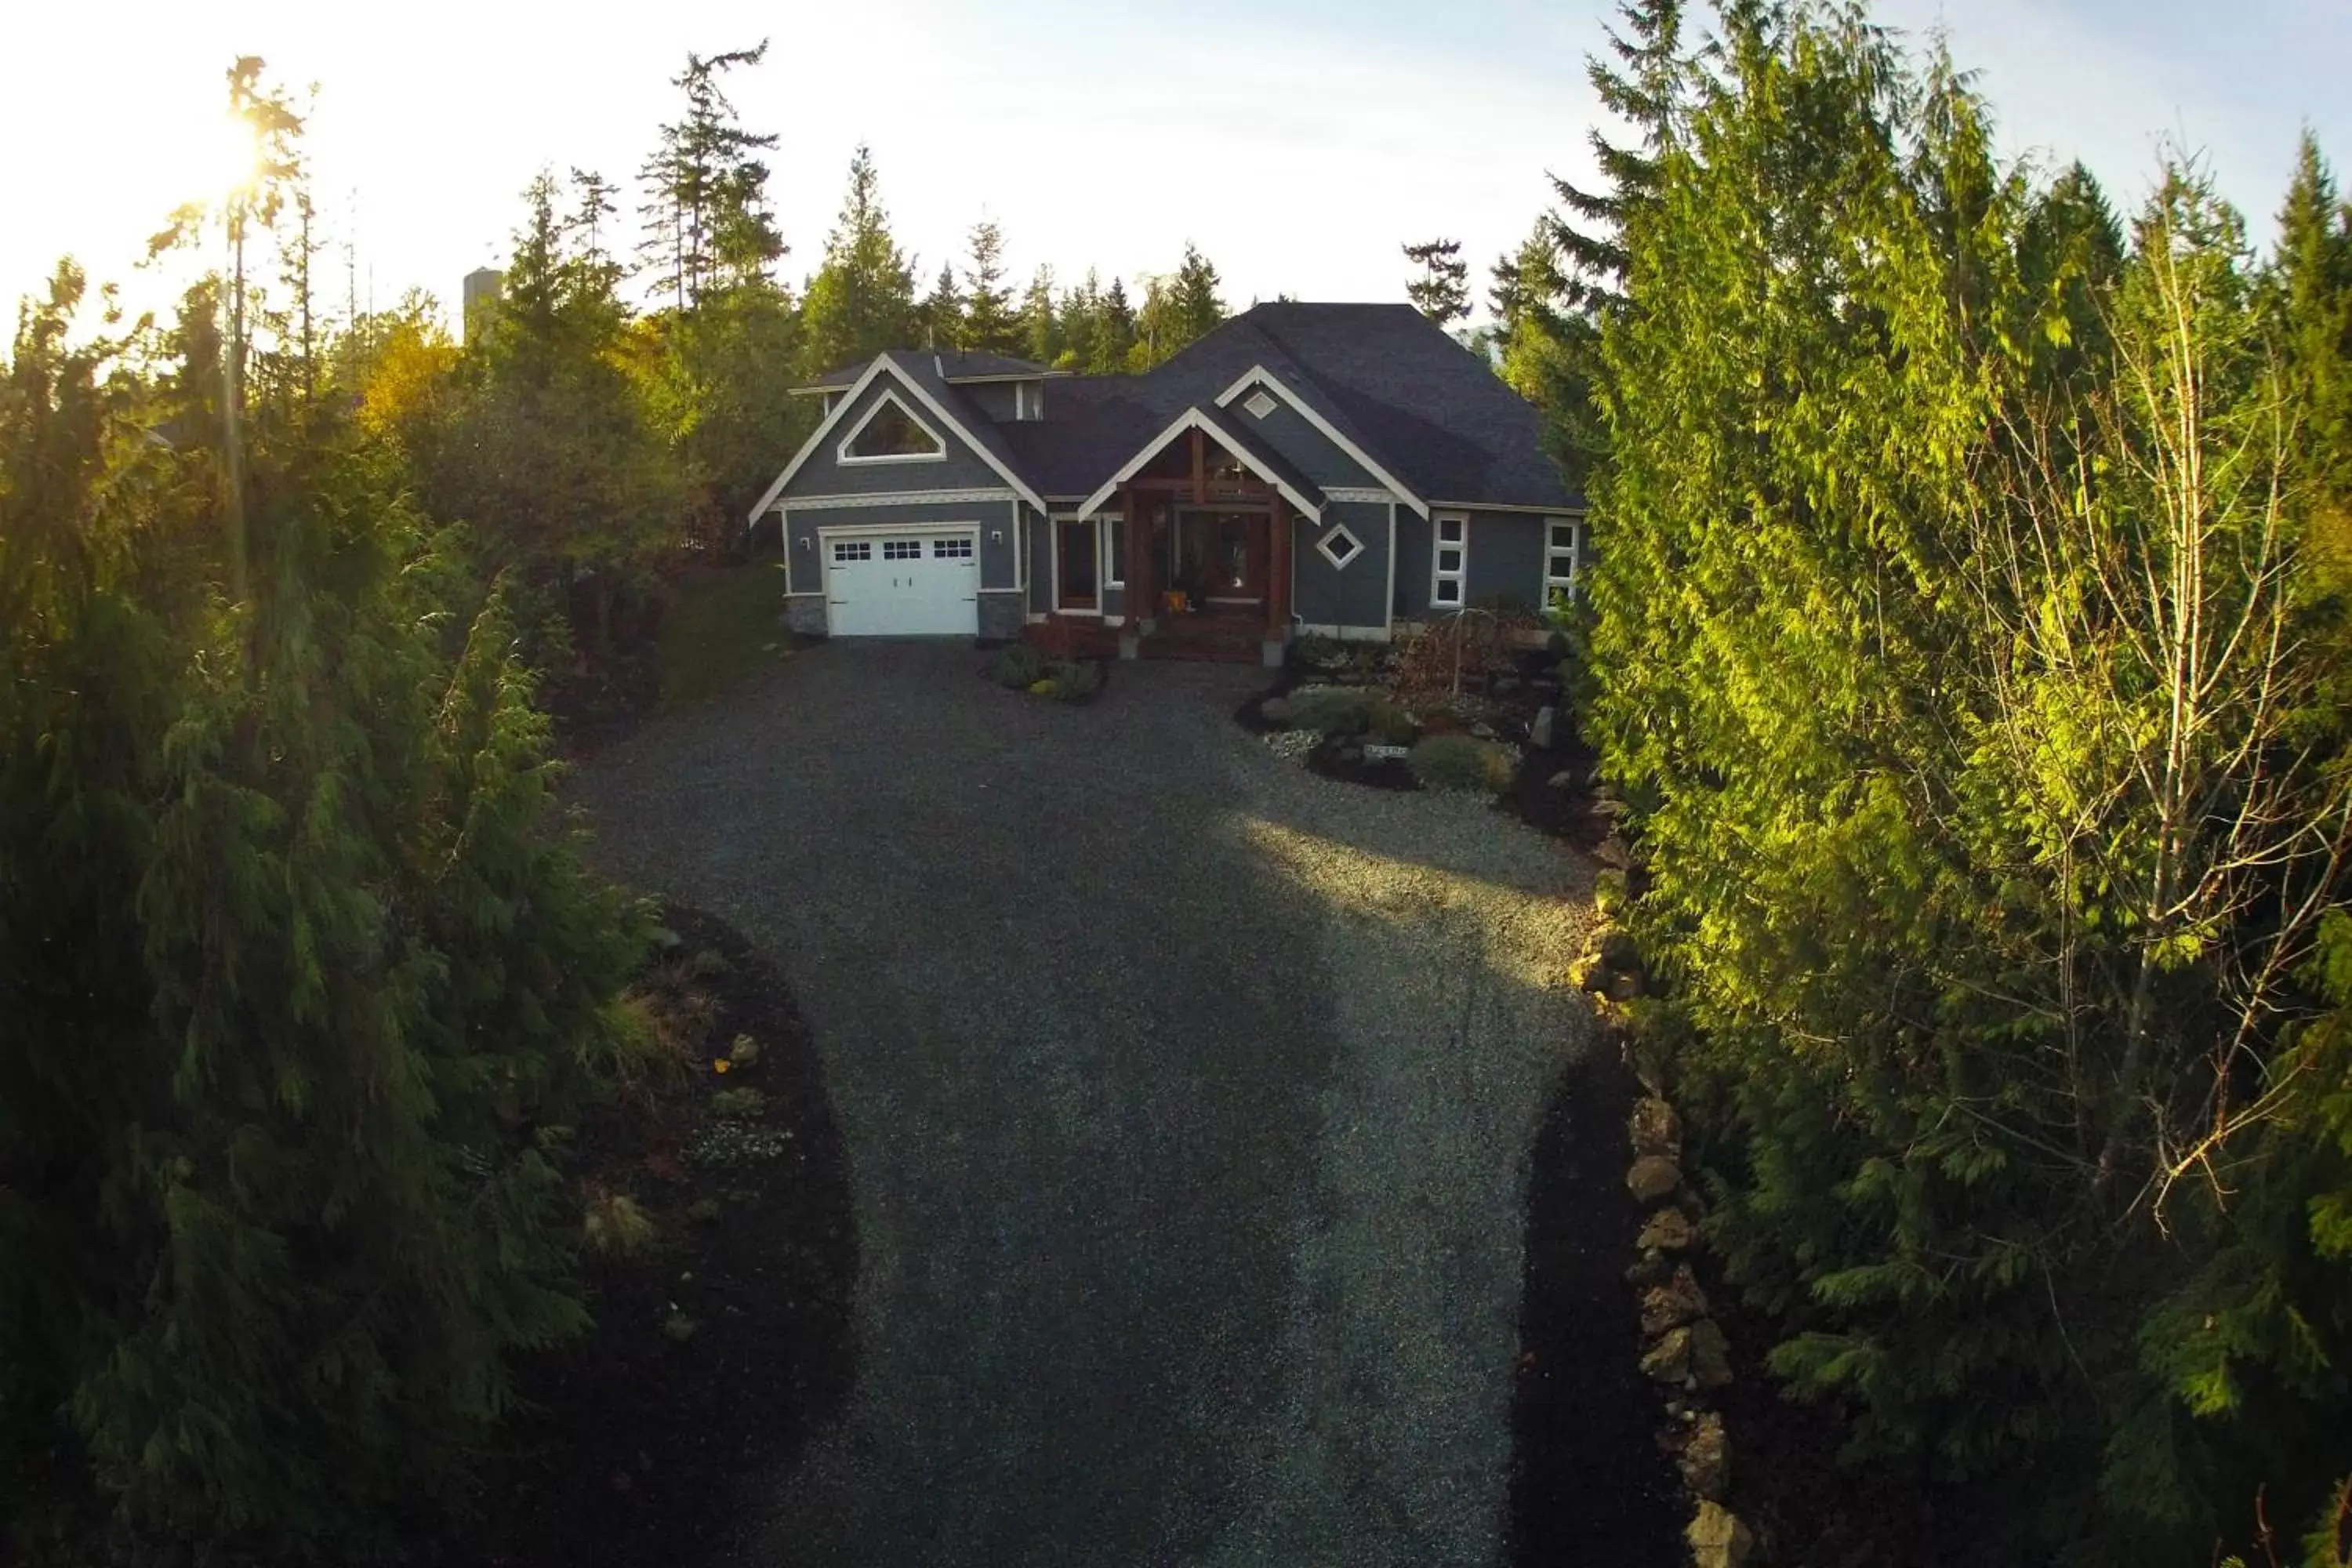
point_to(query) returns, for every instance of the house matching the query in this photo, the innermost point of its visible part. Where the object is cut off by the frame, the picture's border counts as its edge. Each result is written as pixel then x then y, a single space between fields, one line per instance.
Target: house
pixel 1306 467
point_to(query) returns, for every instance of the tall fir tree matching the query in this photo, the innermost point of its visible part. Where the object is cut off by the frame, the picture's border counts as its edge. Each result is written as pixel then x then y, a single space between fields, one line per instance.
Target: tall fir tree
pixel 1440 288
pixel 990 325
pixel 862 299
pixel 941 311
pixel 708 222
pixel 1041 321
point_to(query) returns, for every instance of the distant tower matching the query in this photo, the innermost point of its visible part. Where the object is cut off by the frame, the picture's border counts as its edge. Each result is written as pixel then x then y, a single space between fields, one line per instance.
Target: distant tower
pixel 482 288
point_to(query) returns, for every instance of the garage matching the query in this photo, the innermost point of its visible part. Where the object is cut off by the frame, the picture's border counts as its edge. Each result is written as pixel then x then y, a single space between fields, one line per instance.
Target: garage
pixel 902 582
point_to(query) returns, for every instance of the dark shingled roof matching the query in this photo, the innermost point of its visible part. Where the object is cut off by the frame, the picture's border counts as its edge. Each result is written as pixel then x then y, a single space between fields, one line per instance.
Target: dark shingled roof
pixel 946 364
pixel 1429 409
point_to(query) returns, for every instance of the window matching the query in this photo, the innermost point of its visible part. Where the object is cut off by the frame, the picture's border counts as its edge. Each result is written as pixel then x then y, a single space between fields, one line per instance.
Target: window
pixel 902 550
pixel 950 549
pixel 1339 546
pixel 1028 400
pixel 891 434
pixel 1114 552
pixel 849 550
pixel 1449 560
pixel 1260 403
pixel 1563 556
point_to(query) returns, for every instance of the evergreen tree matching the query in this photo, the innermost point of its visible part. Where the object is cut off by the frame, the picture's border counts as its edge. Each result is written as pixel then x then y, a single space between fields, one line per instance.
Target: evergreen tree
pixel 1041 324
pixel 1647 87
pixel 1114 334
pixel 942 311
pixel 862 300
pixel 990 322
pixel 301 972
pixel 1197 309
pixel 707 219
pixel 1442 290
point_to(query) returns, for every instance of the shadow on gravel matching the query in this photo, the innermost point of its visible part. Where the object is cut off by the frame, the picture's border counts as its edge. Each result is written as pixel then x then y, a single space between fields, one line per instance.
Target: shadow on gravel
pixel 1588 1483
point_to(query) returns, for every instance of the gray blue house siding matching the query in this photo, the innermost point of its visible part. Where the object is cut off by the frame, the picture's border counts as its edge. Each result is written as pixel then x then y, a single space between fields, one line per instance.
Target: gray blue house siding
pixel 1307 448
pixel 1354 596
pixel 825 474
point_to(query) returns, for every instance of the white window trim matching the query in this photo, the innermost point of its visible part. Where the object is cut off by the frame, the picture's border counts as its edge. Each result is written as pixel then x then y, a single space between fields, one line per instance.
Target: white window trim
pixel 1573 583
pixel 1106 557
pixel 843 455
pixel 1260 403
pixel 1340 562
pixel 1460 575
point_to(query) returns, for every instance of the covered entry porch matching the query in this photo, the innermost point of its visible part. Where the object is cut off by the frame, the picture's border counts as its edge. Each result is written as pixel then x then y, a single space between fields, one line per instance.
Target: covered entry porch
pixel 1194 536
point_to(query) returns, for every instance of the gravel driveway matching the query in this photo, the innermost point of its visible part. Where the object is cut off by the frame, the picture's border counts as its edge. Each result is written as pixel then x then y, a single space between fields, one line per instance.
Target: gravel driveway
pixel 1188 1100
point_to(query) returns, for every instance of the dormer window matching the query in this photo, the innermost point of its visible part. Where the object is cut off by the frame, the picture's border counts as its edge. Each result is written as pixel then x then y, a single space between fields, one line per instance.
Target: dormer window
pixel 891 433
pixel 1028 400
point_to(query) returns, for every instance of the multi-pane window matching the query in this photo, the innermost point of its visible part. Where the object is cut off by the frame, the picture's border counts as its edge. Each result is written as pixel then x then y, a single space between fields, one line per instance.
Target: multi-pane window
pixel 848 550
pixel 1563 556
pixel 902 550
pixel 1450 561
pixel 890 432
pixel 950 549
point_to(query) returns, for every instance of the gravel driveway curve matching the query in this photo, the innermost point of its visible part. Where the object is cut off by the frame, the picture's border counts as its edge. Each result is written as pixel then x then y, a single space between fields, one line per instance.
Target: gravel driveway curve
pixel 1188 1100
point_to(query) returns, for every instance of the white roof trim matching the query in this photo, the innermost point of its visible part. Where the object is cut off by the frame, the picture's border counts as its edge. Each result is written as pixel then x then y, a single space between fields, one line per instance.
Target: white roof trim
pixel 849 400
pixel 1508 506
pixel 1258 375
pixel 1194 419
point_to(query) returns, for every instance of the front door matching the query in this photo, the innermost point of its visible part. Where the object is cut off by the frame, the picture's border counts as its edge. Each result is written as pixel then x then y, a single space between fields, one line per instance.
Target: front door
pixel 1222 556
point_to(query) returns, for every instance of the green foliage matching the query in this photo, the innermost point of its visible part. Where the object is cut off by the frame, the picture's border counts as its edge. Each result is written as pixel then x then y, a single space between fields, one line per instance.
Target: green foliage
pixel 720 627
pixel 1072 682
pixel 616 1225
pixel 1391 723
pixel 1461 762
pixel 1338 711
pixel 1990 774
pixel 304 974
pixel 738 1104
pixel 1442 291
pixel 1018 665
pixel 990 322
pixel 862 300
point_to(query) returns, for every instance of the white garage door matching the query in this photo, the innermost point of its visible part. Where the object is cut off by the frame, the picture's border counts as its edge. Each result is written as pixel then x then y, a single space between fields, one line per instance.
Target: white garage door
pixel 916 584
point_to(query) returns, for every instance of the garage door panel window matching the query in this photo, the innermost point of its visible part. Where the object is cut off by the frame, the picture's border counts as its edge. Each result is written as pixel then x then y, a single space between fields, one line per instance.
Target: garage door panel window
pixel 951 549
pixel 902 550
pixel 851 549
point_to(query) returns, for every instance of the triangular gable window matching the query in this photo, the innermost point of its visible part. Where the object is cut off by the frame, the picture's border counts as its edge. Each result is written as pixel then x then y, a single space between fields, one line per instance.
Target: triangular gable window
pixel 891 434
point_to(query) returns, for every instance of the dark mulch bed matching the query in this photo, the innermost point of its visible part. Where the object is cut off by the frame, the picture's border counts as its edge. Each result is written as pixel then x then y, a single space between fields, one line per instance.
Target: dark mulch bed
pixel 640 1445
pixel 1588 1484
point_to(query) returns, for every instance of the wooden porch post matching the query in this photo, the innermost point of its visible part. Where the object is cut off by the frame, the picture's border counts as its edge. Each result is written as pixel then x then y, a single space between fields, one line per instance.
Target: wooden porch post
pixel 1142 592
pixel 1278 568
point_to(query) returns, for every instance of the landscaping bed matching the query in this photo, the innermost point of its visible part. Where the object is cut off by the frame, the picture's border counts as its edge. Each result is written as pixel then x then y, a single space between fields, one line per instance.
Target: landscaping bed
pixel 722 1295
pixel 1406 717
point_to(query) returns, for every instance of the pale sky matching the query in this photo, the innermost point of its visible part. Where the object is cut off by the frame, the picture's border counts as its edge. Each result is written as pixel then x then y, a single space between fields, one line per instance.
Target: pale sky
pixel 1298 142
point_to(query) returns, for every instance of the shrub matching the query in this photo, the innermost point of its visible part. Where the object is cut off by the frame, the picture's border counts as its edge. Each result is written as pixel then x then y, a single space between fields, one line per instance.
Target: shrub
pixel 616 1225
pixel 1018 667
pixel 1332 710
pixel 738 1104
pixel 1069 683
pixel 1391 723
pixel 1461 762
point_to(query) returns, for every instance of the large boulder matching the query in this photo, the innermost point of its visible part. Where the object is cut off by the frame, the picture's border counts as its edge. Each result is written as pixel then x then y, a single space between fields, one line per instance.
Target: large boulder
pixel 1671 1305
pixel 1706 1459
pixel 1668 1230
pixel 1653 1177
pixel 1654 1127
pixel 1717 1537
pixel 1539 734
pixel 1668 1361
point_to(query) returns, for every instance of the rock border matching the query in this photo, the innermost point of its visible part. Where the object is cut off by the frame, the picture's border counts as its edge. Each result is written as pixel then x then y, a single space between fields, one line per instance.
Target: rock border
pixel 1685 1350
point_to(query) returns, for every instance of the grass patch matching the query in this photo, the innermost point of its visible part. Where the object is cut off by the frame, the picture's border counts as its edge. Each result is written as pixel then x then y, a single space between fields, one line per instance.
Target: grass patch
pixel 721 627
